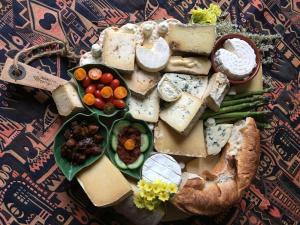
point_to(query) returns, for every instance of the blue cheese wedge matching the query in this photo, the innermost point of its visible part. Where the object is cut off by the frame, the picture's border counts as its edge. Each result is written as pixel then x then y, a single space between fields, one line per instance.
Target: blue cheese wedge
pixel 216 137
pixel 168 91
pixel 147 108
pixel 218 87
pixel 183 114
pixel 194 85
pixel 162 167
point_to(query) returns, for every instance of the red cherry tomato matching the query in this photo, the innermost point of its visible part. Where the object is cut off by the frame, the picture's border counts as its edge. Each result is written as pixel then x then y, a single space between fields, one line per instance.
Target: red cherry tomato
pixel 118 103
pixel 114 84
pixel 99 103
pixel 98 94
pixel 110 99
pixel 100 86
pixel 86 81
pixel 106 78
pixel 91 89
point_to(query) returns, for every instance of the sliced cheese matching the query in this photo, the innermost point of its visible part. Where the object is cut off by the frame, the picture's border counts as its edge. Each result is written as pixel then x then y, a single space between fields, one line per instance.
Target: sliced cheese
pixel 183 114
pixel 155 58
pixel 161 167
pixel 199 165
pixel 147 108
pixel 256 84
pixel 194 85
pixel 67 99
pixel 141 82
pixel 167 140
pixel 188 65
pixel 193 38
pixel 216 137
pixel 118 50
pixel 218 87
pixel 103 183
pixel 168 91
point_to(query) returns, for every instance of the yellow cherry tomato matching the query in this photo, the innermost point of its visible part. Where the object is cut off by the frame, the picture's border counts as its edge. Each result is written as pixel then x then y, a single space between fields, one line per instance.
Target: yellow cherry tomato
pixel 120 92
pixel 89 99
pixel 106 92
pixel 80 74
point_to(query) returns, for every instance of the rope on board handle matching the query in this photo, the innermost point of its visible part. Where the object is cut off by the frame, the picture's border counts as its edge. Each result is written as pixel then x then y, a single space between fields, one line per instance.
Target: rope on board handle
pixel 64 50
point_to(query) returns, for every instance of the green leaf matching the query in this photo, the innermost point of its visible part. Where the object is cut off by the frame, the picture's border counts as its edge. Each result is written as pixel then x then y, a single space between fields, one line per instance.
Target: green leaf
pixel 104 69
pixel 135 173
pixel 68 168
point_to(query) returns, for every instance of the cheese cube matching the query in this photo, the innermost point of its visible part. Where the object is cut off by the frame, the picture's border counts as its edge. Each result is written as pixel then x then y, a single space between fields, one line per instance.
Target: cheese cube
pixel 67 99
pixel 188 65
pixel 119 50
pixel 218 86
pixel 147 108
pixel 193 38
pixel 167 140
pixel 103 183
pixel 183 114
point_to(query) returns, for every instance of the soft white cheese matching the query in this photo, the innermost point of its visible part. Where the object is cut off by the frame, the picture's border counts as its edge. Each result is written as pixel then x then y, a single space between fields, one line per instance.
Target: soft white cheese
pixel 168 91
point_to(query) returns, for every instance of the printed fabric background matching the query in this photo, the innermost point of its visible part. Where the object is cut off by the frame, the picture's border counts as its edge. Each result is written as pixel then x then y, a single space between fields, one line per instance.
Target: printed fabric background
pixel 32 188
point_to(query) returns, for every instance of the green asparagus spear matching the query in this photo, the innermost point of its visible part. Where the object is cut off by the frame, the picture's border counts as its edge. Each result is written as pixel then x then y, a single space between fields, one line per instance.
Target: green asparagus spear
pixel 243 100
pixel 263 125
pixel 247 94
pixel 241 114
pixel 227 120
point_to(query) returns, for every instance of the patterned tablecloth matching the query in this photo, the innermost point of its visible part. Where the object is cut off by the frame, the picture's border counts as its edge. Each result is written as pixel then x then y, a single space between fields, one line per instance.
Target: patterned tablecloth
pixel 32 188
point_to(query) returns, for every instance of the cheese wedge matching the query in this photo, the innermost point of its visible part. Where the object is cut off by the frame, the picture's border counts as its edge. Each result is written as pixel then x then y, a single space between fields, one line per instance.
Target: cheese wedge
pixel 183 114
pixel 67 99
pixel 167 140
pixel 199 165
pixel 188 65
pixel 155 58
pixel 195 38
pixel 141 82
pixel 103 183
pixel 218 87
pixel 256 84
pixel 147 108
pixel 168 91
pixel 118 50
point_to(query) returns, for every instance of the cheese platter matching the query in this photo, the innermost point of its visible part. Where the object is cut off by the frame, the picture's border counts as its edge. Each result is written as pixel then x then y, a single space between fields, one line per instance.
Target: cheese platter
pixel 163 111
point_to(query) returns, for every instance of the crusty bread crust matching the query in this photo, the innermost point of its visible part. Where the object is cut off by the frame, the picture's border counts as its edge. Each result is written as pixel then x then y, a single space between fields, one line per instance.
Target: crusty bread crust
pixel 222 187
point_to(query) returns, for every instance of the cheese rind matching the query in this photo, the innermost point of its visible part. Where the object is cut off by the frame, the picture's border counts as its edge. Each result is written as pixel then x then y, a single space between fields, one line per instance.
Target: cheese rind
pixel 167 140
pixel 195 38
pixel 119 50
pixel 188 65
pixel 194 85
pixel 99 182
pixel 216 137
pixel 183 114
pixel 147 108
pixel 217 88
pixel 168 91
pixel 67 100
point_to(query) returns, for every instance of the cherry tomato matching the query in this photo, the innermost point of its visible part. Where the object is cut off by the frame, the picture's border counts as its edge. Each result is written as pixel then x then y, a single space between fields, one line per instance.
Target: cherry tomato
pixel 86 82
pixel 91 89
pixel 89 99
pixel 115 83
pixel 109 108
pixel 108 99
pixel 97 94
pixel 95 73
pixel 99 103
pixel 100 86
pixel 120 92
pixel 120 104
pixel 80 74
pixel 106 92
pixel 106 78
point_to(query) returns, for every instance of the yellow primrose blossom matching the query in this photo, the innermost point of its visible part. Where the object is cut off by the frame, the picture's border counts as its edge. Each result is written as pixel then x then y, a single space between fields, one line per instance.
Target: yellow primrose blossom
pixel 163 187
pixel 138 201
pixel 163 196
pixel 150 196
pixel 214 8
pixel 141 184
pixel 149 205
pixel 172 188
pixel 208 15
pixel 142 193
pixel 148 187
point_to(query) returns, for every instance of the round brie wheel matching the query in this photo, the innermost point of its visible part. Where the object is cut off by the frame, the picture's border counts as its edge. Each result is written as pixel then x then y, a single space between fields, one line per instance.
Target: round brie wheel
pixel 162 167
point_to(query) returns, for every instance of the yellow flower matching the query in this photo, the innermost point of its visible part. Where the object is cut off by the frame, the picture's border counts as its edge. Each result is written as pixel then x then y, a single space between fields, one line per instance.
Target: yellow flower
pixel 172 188
pixel 163 187
pixel 141 184
pixel 163 196
pixel 148 187
pixel 149 205
pixel 138 201
pixel 214 8
pixel 209 15
pixel 150 196
pixel 142 193
pixel 156 188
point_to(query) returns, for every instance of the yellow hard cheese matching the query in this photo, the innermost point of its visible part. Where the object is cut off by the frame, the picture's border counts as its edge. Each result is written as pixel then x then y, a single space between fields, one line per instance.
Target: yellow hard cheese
pixel 103 183
pixel 256 84
pixel 199 165
pixel 167 140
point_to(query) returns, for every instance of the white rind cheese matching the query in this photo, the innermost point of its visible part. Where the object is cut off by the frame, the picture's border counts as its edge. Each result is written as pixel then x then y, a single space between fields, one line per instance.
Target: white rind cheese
pixel 67 99
pixel 183 114
pixel 194 85
pixel 162 167
pixel 155 58
pixel 195 38
pixel 118 50
pixel 168 91
pixel 236 59
pixel 147 108
pixel 167 140
pixel 218 87
pixel 188 65
pixel 216 137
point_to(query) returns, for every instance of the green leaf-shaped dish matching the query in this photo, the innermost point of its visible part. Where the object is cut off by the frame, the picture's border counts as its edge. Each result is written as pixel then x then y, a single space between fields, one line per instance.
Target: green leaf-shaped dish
pixel 69 169
pixel 135 173
pixel 104 69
